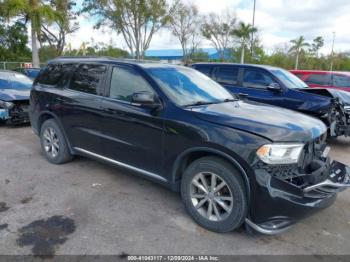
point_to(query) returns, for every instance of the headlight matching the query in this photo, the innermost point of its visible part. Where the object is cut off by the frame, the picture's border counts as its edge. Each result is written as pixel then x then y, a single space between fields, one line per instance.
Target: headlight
pixel 6 105
pixel 277 154
pixel 347 109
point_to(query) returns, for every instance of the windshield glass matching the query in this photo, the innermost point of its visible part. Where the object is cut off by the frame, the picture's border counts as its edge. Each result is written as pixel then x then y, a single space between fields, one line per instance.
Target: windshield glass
pixel 14 81
pixel 288 79
pixel 186 86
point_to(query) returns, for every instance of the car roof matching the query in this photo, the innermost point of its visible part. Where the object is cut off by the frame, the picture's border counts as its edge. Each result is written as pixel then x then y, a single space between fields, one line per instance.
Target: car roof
pixel 9 72
pixel 111 60
pixel 320 72
pixel 268 67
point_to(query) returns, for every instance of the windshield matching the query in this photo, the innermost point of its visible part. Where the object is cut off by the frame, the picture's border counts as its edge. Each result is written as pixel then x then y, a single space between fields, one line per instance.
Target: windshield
pixel 288 79
pixel 186 86
pixel 14 81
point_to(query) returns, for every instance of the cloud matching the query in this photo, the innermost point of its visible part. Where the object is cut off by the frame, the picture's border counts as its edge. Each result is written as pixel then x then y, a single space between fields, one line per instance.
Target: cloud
pixel 278 22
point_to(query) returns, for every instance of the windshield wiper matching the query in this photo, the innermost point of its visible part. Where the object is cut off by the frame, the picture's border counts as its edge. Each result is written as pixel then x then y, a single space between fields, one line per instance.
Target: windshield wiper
pixel 201 103
pixel 230 100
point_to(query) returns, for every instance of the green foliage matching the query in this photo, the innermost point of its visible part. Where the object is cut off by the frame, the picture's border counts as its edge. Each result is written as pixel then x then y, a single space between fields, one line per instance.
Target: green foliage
pixel 13 42
pixel 54 33
pixel 100 50
pixel 136 20
pixel 219 30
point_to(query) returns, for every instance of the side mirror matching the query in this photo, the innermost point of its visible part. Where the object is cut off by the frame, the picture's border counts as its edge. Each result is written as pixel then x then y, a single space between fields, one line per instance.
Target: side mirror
pixel 146 99
pixel 274 87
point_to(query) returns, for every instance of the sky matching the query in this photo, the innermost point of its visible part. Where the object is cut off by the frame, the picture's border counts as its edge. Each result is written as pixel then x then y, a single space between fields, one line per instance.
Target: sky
pixel 278 21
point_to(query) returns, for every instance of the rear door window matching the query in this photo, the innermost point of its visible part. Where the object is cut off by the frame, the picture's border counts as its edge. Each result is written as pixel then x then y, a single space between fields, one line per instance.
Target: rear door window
pixel 88 78
pixel 227 75
pixel 319 79
pixel 256 79
pixel 204 70
pixel 341 81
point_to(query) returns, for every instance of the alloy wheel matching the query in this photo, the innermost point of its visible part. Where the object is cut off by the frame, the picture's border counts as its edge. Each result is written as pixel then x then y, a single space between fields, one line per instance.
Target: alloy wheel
pixel 51 142
pixel 211 196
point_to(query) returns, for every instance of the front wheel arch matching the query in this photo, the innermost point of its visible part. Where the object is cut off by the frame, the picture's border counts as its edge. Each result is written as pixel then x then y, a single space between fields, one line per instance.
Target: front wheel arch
pixel 190 155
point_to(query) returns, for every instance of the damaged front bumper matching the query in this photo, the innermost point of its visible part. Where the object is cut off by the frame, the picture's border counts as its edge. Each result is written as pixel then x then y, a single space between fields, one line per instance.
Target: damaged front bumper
pixel 16 112
pixel 281 199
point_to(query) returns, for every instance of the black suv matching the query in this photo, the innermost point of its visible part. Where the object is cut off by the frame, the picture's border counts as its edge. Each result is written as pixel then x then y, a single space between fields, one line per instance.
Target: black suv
pixel 233 161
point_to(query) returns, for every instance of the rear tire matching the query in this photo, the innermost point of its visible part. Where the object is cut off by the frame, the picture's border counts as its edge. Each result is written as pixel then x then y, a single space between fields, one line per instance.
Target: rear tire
pixel 53 143
pixel 214 194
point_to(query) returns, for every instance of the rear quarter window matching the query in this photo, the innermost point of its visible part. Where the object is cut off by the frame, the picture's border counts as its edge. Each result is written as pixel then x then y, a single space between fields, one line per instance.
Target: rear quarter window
pixel 53 74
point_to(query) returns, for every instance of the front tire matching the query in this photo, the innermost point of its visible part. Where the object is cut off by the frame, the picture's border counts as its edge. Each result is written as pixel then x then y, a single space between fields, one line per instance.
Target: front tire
pixel 53 143
pixel 214 194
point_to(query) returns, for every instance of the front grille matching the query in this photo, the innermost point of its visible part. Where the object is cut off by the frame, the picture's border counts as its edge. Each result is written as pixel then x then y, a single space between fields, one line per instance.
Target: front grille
pixel 312 151
pixel 20 112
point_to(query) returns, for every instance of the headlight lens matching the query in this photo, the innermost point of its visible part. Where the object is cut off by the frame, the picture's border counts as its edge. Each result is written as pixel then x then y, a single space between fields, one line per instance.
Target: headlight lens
pixel 6 105
pixel 277 154
pixel 347 109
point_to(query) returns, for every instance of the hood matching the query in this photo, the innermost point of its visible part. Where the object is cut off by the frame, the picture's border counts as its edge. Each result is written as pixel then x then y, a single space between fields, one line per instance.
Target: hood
pixel 344 97
pixel 316 100
pixel 274 123
pixel 9 95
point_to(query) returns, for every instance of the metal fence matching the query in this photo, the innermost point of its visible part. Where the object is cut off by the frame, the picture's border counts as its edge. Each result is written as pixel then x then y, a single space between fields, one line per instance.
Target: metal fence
pixel 4 65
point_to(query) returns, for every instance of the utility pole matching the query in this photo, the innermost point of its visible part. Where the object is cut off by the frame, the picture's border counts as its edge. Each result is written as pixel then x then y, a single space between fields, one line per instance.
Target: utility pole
pixel 332 53
pixel 253 24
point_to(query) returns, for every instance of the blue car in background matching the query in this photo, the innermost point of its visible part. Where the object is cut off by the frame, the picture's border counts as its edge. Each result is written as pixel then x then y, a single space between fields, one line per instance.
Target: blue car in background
pixel 278 87
pixel 32 73
pixel 14 97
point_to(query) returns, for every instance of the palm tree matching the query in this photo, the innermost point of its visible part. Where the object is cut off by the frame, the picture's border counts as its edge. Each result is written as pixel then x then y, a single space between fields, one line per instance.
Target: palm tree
pixel 298 48
pixel 243 32
pixel 34 11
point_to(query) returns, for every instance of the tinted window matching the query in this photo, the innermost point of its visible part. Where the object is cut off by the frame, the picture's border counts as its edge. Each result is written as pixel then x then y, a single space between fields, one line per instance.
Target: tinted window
pixel 52 74
pixel 256 79
pixel 227 75
pixel 204 70
pixel 125 82
pixel 185 86
pixel 299 75
pixel 87 78
pixel 319 79
pixel 341 81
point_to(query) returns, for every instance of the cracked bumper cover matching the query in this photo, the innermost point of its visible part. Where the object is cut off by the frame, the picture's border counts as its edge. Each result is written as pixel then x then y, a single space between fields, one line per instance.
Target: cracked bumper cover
pixel 279 203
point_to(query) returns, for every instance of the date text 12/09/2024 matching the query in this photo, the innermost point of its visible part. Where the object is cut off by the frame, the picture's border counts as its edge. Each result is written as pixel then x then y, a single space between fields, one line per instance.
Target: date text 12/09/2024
pixel 173 258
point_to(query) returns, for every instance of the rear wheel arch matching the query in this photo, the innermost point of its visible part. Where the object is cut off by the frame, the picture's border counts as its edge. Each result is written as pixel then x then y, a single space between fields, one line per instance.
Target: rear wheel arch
pixel 44 116
pixel 191 155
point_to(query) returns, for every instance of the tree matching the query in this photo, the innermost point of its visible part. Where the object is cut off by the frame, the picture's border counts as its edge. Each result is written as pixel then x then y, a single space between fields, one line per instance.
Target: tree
pixel 36 12
pixel 55 33
pixel 244 32
pixel 13 42
pixel 184 23
pixel 298 46
pixel 316 45
pixel 218 29
pixel 136 20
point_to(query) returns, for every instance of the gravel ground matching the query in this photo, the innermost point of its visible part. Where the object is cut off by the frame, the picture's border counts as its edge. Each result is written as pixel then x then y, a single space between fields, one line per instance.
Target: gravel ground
pixel 85 207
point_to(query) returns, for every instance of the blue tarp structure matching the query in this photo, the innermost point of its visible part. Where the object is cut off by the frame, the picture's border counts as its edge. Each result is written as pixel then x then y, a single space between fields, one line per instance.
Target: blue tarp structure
pixel 176 54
